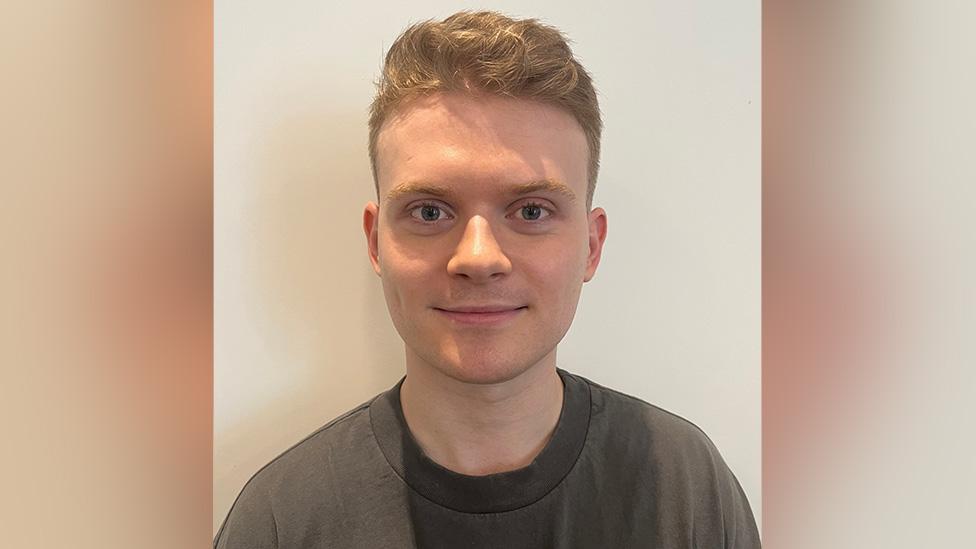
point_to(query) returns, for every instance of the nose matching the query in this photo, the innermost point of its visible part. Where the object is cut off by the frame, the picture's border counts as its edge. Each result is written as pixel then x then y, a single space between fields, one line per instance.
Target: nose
pixel 478 256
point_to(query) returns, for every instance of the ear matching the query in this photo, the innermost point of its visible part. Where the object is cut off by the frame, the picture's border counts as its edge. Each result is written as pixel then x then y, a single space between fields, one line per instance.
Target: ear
pixel 371 219
pixel 598 233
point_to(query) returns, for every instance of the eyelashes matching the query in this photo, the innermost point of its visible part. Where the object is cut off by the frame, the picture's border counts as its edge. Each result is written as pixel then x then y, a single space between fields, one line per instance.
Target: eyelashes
pixel 422 211
pixel 432 213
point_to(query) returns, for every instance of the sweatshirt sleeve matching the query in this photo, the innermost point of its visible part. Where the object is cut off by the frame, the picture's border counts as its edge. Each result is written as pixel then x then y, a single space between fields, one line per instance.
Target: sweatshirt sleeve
pixel 741 531
pixel 250 522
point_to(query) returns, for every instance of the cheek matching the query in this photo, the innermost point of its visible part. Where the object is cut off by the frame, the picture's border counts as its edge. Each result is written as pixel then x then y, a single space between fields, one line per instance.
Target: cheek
pixel 405 273
pixel 565 257
pixel 557 273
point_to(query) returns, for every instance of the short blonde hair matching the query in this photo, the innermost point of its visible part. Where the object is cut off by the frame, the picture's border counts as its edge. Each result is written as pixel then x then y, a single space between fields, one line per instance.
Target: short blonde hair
pixel 491 53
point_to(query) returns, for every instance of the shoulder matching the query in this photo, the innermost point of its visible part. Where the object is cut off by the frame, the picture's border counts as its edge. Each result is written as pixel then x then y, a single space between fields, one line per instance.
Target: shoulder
pixel 654 444
pixel 300 474
pixel 343 435
pixel 617 414
pixel 663 450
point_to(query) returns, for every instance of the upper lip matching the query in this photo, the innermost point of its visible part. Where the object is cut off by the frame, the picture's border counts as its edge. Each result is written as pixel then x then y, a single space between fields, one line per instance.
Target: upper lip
pixel 480 308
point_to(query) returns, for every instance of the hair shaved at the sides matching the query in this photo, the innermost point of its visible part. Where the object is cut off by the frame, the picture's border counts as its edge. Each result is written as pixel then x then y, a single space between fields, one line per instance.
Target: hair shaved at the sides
pixel 490 53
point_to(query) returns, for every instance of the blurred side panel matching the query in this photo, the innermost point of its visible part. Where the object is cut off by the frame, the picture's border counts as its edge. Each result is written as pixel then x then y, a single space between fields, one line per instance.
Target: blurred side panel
pixel 869 258
pixel 106 277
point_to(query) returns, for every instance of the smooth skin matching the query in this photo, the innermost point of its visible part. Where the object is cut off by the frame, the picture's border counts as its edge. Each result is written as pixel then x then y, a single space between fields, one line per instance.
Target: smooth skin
pixel 482 239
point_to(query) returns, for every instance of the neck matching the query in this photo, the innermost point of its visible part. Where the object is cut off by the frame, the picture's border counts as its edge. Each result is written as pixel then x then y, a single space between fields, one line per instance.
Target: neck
pixel 481 429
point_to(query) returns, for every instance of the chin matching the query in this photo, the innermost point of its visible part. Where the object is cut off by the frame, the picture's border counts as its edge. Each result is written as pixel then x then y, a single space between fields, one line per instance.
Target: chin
pixel 479 360
pixel 483 376
pixel 485 370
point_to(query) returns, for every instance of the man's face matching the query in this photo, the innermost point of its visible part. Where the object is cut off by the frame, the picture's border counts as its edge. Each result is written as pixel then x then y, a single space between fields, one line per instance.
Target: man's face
pixel 482 237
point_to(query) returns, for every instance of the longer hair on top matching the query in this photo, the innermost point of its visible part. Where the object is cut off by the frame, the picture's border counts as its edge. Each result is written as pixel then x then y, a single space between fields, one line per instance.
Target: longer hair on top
pixel 491 53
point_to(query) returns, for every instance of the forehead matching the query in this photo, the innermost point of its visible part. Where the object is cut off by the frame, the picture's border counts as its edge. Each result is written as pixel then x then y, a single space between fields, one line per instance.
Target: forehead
pixel 476 141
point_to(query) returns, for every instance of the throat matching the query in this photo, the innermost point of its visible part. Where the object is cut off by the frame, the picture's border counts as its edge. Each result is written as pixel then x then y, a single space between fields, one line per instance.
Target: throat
pixel 483 430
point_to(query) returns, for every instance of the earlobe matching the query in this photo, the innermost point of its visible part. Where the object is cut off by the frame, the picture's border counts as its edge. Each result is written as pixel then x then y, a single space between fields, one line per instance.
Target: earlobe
pixel 371 217
pixel 597 235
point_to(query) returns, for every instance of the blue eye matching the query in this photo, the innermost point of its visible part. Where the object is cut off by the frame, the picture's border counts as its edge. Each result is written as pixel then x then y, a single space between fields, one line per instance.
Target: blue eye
pixel 428 213
pixel 531 212
pixel 534 212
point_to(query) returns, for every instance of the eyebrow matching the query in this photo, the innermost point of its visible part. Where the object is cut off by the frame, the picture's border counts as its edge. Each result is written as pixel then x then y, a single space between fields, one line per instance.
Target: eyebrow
pixel 544 185
pixel 421 187
pixel 416 187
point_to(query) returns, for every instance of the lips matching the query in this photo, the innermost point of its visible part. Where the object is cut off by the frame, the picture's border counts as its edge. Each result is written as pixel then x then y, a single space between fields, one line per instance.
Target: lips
pixel 481 314
pixel 481 308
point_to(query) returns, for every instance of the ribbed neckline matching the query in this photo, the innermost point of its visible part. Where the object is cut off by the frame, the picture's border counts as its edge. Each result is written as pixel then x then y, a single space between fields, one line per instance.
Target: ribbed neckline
pixel 490 493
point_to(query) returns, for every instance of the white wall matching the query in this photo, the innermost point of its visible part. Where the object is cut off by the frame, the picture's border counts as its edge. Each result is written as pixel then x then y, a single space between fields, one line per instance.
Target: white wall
pixel 673 316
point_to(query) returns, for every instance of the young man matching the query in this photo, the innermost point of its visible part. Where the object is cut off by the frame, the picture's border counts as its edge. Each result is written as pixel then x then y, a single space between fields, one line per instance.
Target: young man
pixel 484 139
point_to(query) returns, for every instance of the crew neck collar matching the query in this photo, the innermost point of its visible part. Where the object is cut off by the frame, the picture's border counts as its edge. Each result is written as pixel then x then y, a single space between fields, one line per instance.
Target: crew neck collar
pixel 489 493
